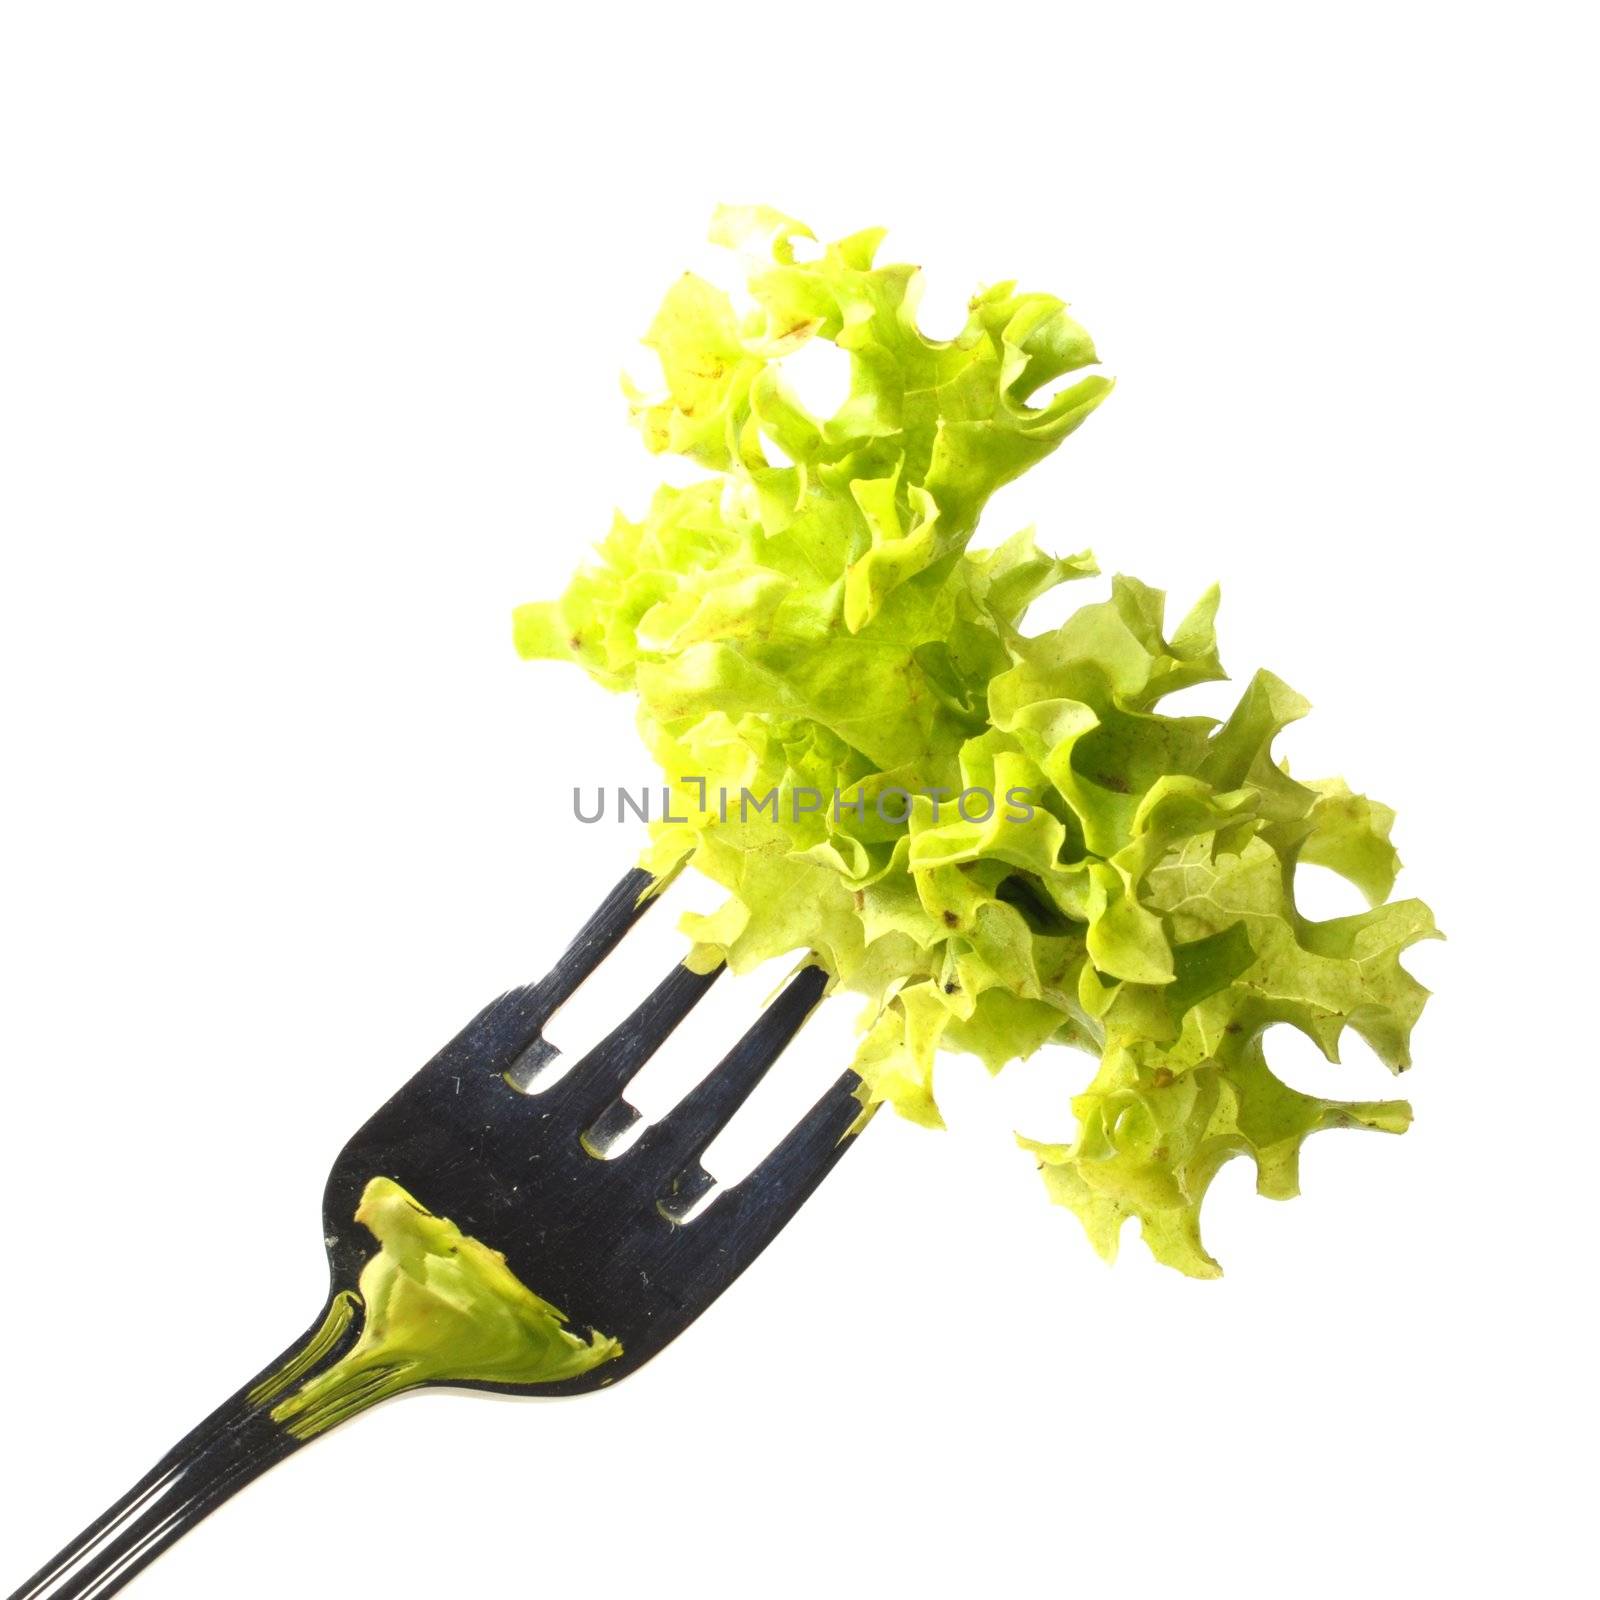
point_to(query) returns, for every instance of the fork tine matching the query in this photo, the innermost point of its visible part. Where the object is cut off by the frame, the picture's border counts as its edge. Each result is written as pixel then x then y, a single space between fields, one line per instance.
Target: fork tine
pixel 740 1224
pixel 680 1138
pixel 604 1072
pixel 598 937
pixel 535 1003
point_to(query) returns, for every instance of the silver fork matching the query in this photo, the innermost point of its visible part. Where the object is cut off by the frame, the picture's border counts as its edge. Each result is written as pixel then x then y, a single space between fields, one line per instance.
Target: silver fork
pixel 477 1239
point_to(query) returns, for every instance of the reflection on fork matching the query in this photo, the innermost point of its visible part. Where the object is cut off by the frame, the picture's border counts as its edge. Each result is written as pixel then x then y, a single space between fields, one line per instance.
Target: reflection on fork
pixel 478 1236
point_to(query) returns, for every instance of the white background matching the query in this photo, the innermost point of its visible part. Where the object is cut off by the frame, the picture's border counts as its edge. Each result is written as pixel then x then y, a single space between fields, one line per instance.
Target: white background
pixel 309 331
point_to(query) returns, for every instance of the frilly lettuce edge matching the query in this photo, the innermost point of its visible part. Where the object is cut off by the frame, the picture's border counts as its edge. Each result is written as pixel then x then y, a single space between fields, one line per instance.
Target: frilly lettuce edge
pixel 811 618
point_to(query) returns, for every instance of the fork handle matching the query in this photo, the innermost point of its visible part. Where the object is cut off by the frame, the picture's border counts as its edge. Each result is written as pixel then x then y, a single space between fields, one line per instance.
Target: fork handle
pixel 232 1447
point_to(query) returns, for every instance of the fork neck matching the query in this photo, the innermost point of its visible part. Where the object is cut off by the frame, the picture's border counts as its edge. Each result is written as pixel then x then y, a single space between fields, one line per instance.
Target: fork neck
pixel 238 1442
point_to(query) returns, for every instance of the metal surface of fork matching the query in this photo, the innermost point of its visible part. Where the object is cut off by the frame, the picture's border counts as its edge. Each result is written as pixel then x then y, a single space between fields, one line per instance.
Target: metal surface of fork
pixel 605 1240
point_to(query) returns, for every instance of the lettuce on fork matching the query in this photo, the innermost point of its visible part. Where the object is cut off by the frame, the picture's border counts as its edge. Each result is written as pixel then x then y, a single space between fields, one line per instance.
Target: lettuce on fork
pixel 809 620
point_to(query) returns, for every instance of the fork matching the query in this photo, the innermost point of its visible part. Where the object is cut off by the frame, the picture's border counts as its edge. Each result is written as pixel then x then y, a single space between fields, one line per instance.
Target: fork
pixel 500 1200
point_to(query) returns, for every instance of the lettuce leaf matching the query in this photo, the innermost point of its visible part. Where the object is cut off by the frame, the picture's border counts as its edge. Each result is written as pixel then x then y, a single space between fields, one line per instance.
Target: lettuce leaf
pixel 823 665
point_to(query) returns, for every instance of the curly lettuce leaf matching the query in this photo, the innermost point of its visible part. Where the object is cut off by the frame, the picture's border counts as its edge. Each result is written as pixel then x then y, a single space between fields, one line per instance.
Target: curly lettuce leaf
pixel 823 665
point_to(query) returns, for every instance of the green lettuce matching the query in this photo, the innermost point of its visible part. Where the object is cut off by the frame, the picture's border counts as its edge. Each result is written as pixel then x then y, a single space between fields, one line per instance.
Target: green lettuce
pixel 809 622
